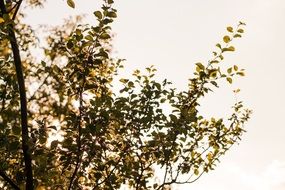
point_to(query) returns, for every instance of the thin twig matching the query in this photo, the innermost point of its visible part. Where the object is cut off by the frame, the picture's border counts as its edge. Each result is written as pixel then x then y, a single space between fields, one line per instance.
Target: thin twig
pixel 81 110
pixel 8 180
pixel 17 9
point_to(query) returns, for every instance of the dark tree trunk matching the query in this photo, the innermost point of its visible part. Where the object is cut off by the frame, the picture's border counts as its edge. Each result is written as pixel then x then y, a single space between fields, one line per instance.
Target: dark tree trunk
pixel 23 101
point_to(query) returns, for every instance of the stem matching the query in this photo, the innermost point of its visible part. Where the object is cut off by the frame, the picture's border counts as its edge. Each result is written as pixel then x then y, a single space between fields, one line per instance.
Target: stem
pixel 78 159
pixel 79 143
pixel 23 102
pixel 17 9
pixel 7 179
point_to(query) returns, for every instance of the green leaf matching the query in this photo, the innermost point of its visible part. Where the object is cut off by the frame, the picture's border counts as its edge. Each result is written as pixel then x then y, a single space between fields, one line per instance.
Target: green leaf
pixel 235 67
pixel 103 54
pixel 196 171
pixel 44 64
pixel 105 36
pixel 173 118
pixel 210 157
pixel 213 74
pixel 42 139
pixel 240 30
pixel 6 17
pixel 201 66
pixel 124 81
pixel 237 36
pixel 241 73
pixel 229 70
pixel 98 14
pixel 107 21
pixel 219 46
pixel 226 39
pixel 231 48
pixel 78 32
pixel 14 146
pixel 230 80
pixel 198 69
pixel 16 130
pixel 214 61
pixel 69 44
pixel 89 37
pixel 230 29
pixel 214 83
pixel 71 3
pixel 131 84
pixel 53 144
pixel 112 14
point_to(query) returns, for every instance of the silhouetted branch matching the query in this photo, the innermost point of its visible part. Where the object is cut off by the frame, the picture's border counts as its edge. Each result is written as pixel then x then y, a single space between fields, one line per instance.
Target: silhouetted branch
pixel 23 101
pixel 8 180
pixel 17 9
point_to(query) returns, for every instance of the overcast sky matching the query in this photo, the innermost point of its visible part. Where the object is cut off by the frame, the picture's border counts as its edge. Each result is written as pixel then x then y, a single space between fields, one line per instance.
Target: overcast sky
pixel 173 35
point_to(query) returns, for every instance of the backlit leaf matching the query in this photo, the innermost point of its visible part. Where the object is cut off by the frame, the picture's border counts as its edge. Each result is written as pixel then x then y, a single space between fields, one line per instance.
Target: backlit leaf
pixel 240 30
pixel 71 3
pixel 105 36
pixel 112 14
pixel 230 80
pixel 201 66
pixel 230 29
pixel 226 39
pixel 98 14
pixel 229 70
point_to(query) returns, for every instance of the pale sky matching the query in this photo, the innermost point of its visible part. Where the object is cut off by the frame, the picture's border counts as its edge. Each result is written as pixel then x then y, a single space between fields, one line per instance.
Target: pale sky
pixel 173 35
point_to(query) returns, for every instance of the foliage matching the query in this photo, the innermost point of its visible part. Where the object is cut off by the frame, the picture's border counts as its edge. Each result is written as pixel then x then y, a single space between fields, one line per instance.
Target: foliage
pixel 81 135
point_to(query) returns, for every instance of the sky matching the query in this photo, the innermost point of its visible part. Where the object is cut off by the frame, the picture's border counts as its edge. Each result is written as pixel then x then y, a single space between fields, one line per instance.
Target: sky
pixel 174 35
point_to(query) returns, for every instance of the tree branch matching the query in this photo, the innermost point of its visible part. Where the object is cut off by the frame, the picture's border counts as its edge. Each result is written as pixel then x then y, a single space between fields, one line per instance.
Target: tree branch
pixel 23 102
pixel 79 143
pixel 7 179
pixel 17 9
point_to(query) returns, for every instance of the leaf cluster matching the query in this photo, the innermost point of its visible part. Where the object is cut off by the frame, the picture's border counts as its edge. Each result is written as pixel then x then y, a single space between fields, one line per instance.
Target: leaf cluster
pixel 83 135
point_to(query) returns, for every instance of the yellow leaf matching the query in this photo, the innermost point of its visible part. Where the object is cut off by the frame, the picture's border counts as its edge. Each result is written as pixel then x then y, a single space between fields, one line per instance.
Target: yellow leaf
pixel 236 91
pixel 71 3
pixel 201 66
pixel 240 30
pixel 231 48
pixel 40 187
pixel 196 172
pixel 1 20
pixel 210 157
pixel 227 39
pixel 230 80
pixel 230 29
pixel 241 73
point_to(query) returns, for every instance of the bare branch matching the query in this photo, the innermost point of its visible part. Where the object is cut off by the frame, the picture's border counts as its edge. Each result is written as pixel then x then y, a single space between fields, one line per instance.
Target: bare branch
pixel 8 180
pixel 17 9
